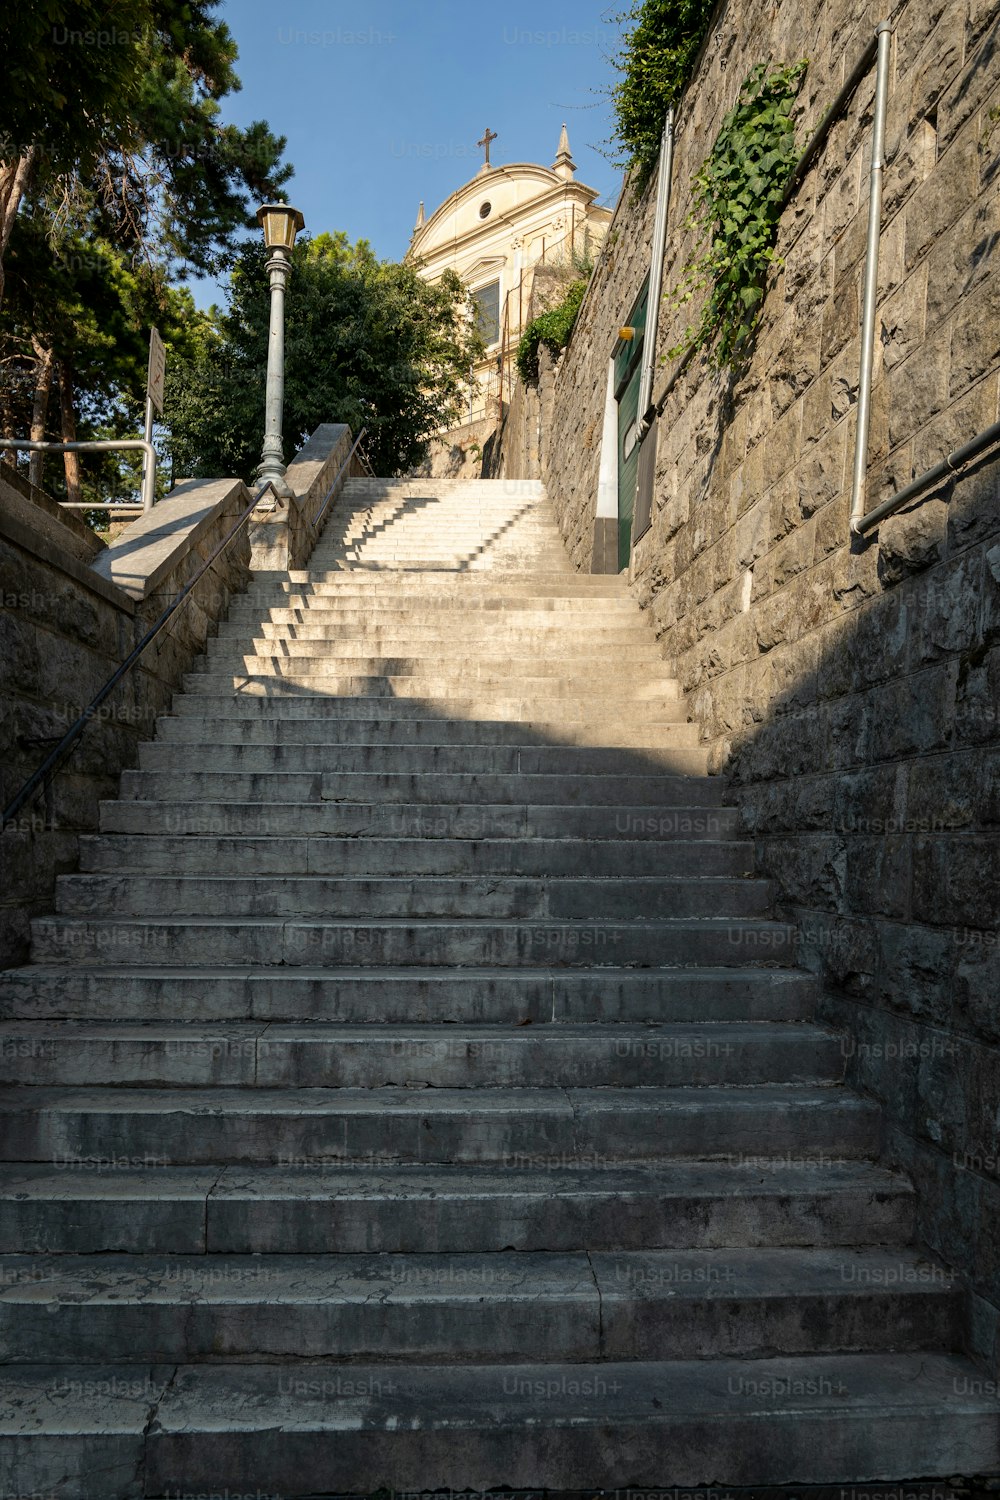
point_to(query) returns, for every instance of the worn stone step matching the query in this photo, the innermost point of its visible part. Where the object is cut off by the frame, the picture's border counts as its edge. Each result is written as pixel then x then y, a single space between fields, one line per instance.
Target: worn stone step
pixel 618 1305
pixel 515 585
pixel 681 754
pixel 444 820
pixel 479 896
pixel 424 733
pixel 316 1055
pixel 422 941
pixel 330 1428
pixel 123 1204
pixel 381 611
pixel 483 698
pixel 539 679
pixel 396 638
pixel 287 856
pixel 570 789
pixel 365 653
pixel 515 1127
pixel 200 995
pixel 566 717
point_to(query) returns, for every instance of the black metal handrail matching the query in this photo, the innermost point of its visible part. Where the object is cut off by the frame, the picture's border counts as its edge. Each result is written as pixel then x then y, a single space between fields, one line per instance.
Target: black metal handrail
pixel 56 758
pixel 336 478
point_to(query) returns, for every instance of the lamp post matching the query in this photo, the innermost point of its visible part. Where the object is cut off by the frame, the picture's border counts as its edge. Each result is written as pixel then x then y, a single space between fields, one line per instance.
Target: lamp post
pixel 280 224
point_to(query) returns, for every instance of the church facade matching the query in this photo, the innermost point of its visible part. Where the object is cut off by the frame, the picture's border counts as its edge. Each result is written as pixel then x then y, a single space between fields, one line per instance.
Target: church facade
pixel 496 232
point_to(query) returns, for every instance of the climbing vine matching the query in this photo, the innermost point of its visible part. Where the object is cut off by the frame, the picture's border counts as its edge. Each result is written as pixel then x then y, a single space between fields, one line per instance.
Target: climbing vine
pixel 655 62
pixel 551 328
pixel 738 199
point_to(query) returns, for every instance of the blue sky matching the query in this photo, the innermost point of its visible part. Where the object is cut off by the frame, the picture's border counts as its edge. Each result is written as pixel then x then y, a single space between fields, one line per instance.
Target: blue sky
pixel 383 101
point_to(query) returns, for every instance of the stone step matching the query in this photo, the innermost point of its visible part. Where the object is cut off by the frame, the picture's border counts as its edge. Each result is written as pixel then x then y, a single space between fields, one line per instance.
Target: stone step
pixel 680 754
pixel 315 1055
pixel 534 697
pixel 524 1127
pixel 391 639
pixel 443 820
pixel 612 1305
pixel 118 1203
pixel 334 582
pixel 253 729
pixel 330 1428
pixel 284 856
pixel 425 675
pixel 378 609
pixel 535 996
pixel 274 699
pixel 572 789
pixel 429 941
pixel 507 897
pixel 447 649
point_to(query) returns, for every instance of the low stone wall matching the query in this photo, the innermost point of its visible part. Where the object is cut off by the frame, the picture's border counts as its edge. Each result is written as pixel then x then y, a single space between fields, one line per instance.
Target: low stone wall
pixel 284 533
pixel 850 691
pixel 73 609
pixel 65 627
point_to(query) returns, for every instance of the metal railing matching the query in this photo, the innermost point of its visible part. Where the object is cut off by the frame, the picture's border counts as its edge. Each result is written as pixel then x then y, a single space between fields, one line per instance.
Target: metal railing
pixel 932 476
pixel 883 36
pixel 100 445
pixel 355 446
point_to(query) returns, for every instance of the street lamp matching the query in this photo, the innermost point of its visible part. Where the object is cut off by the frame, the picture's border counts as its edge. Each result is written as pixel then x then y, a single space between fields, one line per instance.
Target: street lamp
pixel 280 224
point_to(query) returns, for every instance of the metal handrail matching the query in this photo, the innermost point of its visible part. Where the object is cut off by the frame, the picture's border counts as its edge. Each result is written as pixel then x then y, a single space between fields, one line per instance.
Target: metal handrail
pixel 950 465
pixel 54 760
pixel 98 445
pixel 336 479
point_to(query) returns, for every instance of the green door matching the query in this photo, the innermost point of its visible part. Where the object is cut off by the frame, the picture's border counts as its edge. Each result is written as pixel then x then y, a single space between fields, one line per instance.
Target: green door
pixel 628 377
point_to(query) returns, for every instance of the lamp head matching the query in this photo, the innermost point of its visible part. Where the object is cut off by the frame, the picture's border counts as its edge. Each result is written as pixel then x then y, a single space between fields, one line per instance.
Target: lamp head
pixel 280 224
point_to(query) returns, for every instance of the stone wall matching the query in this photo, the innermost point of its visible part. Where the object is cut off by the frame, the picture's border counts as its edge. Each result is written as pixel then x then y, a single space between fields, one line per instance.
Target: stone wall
pixel 850 691
pixel 284 533
pixel 72 609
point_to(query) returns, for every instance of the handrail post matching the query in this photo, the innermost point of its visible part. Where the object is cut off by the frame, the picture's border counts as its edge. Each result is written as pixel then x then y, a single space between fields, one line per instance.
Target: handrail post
pixel 99 445
pixel 884 35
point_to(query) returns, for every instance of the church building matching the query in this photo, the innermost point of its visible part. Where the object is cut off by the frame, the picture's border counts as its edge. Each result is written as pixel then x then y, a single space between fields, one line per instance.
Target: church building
pixel 496 232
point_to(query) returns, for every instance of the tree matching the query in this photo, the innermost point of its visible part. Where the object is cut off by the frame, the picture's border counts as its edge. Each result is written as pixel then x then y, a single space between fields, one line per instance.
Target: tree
pixel 110 114
pixel 115 174
pixel 367 342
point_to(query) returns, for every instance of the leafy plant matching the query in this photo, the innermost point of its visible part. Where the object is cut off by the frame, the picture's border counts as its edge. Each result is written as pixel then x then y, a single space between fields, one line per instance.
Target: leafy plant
pixel 551 328
pixel 655 62
pixel 738 198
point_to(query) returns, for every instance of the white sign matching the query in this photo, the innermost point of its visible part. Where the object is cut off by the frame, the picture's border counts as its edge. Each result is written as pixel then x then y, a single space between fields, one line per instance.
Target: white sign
pixel 157 370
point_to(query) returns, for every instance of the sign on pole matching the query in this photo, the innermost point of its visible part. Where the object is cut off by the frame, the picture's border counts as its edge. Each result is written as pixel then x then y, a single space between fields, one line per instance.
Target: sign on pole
pixel 157 370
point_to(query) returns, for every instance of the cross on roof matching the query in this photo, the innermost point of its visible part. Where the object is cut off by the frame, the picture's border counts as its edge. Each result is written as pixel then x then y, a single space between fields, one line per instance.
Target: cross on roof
pixel 488 136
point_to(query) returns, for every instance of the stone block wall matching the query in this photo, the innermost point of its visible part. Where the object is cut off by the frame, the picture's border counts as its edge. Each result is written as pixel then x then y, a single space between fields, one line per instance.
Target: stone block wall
pixel 850 691
pixel 65 626
pixel 71 610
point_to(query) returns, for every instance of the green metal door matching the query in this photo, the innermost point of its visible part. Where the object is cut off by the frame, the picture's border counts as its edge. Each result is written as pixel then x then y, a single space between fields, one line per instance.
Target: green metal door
pixel 628 377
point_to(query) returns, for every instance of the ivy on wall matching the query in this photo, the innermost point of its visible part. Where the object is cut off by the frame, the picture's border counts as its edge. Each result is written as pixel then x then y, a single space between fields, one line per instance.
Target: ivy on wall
pixel 551 328
pixel 656 61
pixel 738 198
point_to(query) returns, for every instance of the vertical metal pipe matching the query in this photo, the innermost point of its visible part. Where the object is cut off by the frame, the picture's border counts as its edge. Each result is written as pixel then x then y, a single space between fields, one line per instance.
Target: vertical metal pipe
pixel 148 473
pixel 656 268
pixel 884 34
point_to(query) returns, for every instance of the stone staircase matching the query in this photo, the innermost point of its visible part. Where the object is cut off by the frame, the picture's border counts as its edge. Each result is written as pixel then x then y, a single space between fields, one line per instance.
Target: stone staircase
pixel 415 1090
